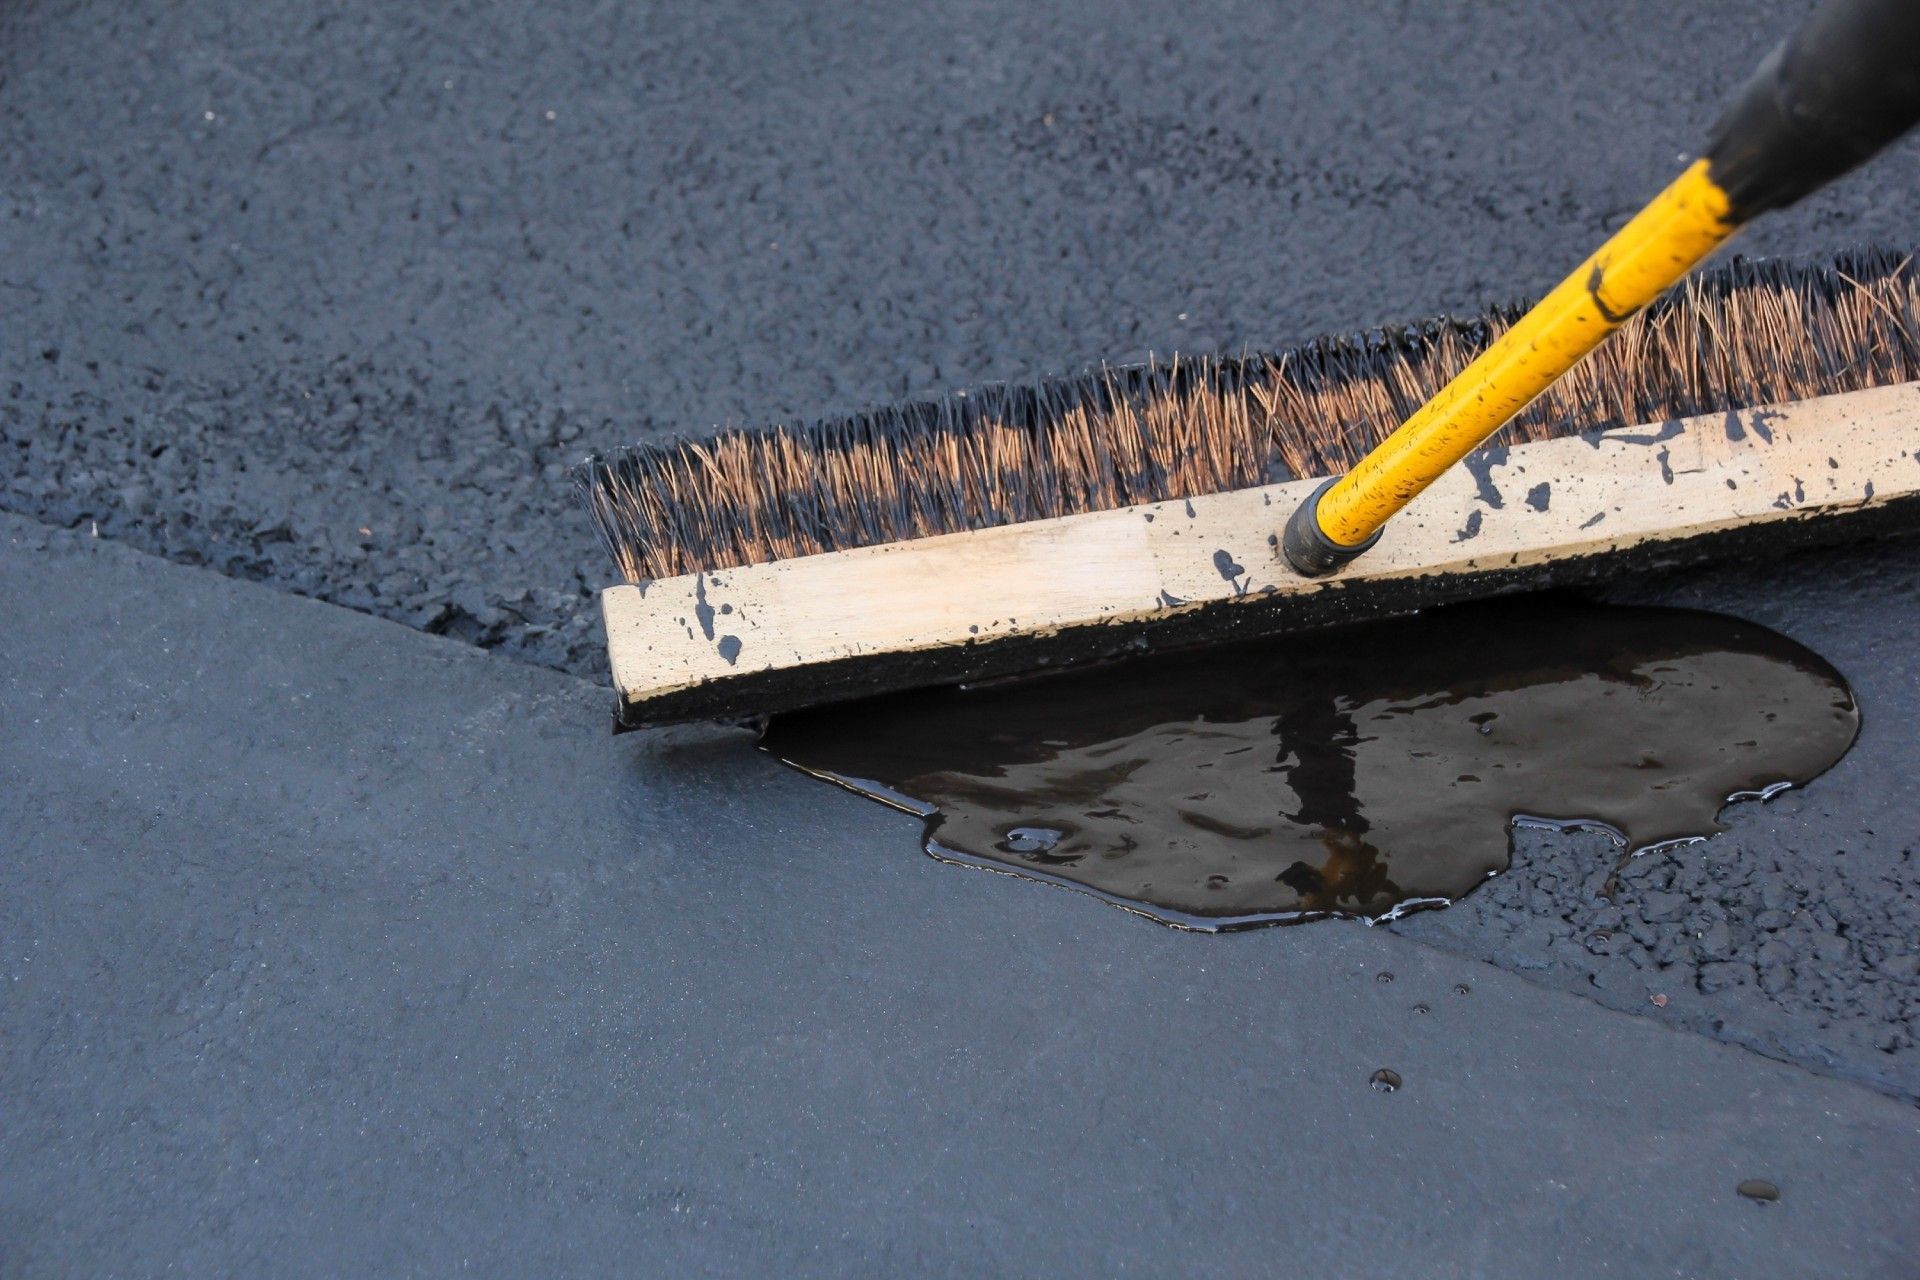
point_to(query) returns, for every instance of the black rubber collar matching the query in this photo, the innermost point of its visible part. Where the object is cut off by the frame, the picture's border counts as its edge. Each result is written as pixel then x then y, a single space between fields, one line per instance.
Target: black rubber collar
pixel 1310 551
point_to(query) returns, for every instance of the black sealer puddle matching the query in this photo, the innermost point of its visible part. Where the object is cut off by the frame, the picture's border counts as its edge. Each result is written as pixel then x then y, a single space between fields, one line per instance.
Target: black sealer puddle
pixel 1361 772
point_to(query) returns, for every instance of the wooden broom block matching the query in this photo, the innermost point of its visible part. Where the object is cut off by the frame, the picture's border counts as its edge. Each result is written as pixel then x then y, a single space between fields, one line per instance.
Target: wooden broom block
pixel 820 628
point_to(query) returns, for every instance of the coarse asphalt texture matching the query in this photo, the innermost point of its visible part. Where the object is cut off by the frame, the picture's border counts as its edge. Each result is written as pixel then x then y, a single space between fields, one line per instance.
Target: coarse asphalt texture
pixel 327 297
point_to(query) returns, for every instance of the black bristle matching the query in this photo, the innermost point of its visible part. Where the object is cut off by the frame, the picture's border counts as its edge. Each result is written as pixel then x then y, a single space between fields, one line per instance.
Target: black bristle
pixel 1749 332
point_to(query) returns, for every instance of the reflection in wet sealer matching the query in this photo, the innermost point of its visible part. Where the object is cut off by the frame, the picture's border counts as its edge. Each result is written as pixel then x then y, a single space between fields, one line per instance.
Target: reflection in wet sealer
pixel 1363 771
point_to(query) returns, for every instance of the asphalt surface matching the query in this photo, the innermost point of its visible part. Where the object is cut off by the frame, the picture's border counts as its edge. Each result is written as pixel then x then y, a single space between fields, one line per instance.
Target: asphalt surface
pixel 1797 931
pixel 328 299
pixel 336 949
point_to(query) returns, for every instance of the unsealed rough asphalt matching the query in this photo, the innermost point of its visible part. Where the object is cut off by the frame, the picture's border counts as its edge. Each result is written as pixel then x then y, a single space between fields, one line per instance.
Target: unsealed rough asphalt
pixel 328 297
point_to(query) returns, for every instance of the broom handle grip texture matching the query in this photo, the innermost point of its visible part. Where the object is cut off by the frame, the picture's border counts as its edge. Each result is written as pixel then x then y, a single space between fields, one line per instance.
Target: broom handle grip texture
pixel 1830 96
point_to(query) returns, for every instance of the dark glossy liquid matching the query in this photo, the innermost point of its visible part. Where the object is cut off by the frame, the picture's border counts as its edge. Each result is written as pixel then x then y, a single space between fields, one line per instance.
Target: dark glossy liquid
pixel 1360 771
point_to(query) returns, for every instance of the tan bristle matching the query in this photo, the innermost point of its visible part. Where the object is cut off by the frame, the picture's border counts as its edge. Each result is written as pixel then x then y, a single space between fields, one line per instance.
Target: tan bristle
pixel 1747 333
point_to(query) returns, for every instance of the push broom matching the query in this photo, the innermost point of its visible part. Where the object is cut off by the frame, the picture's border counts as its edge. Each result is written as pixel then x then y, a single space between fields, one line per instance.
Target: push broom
pixel 1760 407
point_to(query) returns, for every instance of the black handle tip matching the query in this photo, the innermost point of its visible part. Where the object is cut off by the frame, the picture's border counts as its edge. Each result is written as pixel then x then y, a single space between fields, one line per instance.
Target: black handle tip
pixel 1309 550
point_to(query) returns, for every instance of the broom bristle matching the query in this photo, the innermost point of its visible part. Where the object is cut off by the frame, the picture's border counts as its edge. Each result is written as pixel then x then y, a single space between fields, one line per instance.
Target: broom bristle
pixel 1748 333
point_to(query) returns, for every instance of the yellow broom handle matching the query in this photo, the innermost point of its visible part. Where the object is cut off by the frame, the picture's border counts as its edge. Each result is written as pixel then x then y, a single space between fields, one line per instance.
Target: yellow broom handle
pixel 1837 91
pixel 1683 224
